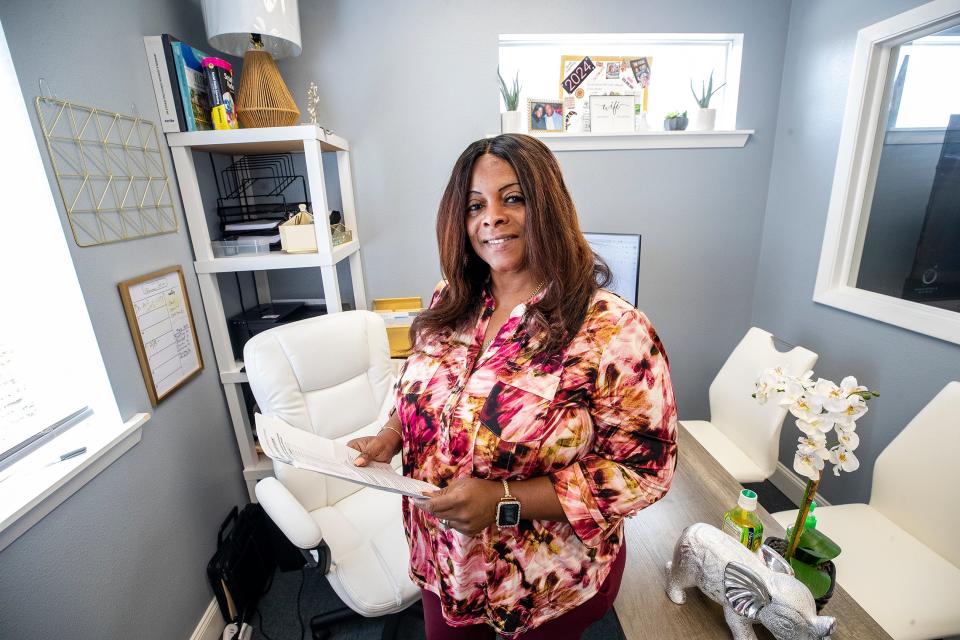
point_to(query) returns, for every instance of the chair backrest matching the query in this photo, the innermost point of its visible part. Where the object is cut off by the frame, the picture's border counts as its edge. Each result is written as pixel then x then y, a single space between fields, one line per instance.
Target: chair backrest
pixel 915 478
pixel 329 375
pixel 753 427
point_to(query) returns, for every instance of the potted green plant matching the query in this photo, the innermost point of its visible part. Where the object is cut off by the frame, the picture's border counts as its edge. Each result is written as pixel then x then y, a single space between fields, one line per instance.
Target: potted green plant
pixel 704 118
pixel 675 121
pixel 510 121
pixel 820 407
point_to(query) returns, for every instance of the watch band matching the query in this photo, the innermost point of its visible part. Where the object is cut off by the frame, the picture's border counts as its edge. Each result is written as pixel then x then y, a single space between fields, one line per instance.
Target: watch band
pixel 506 491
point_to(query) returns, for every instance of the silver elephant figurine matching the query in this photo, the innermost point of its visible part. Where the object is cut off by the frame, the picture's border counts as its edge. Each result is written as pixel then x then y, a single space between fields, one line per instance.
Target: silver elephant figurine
pixel 752 586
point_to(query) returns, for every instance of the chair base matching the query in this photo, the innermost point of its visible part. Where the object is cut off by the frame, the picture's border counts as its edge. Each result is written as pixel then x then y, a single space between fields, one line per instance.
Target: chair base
pixel 319 623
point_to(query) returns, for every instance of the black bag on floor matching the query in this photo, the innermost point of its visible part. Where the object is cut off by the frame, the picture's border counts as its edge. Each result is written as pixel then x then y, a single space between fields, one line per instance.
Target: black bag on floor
pixel 242 568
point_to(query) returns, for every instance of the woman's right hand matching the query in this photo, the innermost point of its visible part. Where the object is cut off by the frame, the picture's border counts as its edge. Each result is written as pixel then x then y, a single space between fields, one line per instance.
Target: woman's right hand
pixel 379 448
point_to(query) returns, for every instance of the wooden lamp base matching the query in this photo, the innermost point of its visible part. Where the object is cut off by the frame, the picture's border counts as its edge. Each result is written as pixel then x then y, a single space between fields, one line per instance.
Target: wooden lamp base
pixel 263 100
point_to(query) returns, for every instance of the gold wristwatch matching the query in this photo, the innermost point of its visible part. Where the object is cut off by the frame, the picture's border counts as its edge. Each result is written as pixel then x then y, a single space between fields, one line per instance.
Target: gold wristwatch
pixel 508 509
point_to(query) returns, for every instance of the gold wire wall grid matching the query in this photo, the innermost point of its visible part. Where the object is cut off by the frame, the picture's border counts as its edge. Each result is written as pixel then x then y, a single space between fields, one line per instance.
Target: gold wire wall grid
pixel 110 172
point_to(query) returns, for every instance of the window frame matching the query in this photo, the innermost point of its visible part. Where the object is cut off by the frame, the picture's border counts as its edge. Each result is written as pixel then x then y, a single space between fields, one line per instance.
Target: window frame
pixel 725 135
pixel 861 140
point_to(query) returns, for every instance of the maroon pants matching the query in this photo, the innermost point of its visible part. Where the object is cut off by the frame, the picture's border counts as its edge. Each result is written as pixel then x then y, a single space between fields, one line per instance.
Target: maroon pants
pixel 569 625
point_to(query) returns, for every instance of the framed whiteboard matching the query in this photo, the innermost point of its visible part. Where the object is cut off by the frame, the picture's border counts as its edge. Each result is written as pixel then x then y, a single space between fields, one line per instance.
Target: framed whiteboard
pixel 161 324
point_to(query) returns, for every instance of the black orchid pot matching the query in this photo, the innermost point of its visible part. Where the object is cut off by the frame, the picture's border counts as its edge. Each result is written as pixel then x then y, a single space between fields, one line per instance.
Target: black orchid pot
pixel 780 546
pixel 676 124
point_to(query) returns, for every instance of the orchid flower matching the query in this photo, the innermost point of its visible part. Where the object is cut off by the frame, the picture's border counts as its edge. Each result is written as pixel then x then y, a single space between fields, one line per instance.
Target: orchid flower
pixel 843 459
pixel 816 444
pixel 808 465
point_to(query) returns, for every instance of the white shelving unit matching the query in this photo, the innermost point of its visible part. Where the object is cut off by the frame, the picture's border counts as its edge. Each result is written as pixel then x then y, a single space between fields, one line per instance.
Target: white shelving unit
pixel 311 141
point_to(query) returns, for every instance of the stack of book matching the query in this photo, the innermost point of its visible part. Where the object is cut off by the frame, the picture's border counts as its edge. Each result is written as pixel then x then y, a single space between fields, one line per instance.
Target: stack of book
pixel 183 97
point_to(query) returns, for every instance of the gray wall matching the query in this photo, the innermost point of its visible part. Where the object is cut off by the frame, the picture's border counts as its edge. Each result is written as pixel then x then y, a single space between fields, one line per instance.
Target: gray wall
pixel 410 84
pixel 125 556
pixel 907 368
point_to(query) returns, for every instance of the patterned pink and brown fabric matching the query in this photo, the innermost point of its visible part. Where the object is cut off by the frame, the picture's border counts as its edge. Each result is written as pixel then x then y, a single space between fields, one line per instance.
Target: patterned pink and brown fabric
pixel 599 419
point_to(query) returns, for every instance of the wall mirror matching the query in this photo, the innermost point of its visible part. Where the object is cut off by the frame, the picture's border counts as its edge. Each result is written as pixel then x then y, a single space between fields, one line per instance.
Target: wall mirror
pixel 891 249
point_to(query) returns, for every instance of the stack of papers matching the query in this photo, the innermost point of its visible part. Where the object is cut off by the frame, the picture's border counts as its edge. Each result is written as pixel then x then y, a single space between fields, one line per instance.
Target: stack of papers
pixel 303 450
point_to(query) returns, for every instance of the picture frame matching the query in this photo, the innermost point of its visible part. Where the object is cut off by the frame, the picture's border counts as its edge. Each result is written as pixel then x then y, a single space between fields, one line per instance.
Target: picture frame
pixel 544 123
pixel 612 114
pixel 164 335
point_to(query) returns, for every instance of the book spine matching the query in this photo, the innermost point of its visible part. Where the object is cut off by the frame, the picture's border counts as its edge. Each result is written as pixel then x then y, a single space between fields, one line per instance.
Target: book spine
pixel 157 64
pixel 168 41
pixel 184 86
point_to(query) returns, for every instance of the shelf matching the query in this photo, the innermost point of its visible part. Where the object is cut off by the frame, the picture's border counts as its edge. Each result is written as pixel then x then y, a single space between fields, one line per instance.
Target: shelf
pixel 263 469
pixel 275 260
pixel 262 140
pixel 235 375
pixel 646 140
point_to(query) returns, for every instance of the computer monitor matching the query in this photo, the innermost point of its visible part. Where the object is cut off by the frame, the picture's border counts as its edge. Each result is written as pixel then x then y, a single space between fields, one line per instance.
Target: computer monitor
pixel 621 252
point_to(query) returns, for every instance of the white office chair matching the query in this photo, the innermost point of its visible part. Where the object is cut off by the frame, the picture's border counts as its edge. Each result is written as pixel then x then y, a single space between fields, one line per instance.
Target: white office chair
pixel 742 434
pixel 900 559
pixel 332 375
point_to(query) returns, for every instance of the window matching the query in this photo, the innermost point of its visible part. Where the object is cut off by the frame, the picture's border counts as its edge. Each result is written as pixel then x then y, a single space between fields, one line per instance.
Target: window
pixel 890 250
pixel 925 93
pixel 677 59
pixel 50 363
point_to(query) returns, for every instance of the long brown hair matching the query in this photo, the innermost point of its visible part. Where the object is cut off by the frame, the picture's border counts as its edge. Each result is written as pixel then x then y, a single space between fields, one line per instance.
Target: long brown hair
pixel 556 251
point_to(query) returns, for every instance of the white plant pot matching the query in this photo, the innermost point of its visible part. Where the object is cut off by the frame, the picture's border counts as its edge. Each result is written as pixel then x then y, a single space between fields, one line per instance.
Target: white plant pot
pixel 703 120
pixel 510 122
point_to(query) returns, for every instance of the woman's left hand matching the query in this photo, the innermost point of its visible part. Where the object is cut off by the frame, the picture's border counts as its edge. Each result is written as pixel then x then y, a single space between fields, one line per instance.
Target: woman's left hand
pixel 469 505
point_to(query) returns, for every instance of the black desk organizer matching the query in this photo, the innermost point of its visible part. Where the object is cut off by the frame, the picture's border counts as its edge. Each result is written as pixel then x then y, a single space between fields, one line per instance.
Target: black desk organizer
pixel 259 188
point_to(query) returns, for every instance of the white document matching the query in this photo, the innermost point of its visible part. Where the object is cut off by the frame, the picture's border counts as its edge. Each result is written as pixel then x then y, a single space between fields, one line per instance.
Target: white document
pixel 298 448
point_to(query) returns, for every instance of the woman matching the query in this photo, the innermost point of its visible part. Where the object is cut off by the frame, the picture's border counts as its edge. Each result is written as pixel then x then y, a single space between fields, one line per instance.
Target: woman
pixel 528 384
pixel 538 120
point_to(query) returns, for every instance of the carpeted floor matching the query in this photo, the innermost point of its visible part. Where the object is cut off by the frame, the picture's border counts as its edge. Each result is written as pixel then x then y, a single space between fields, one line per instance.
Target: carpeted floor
pixel 277 618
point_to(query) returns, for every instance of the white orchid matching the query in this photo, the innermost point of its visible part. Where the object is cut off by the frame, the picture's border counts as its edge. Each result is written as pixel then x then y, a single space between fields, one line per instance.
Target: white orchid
pixel 819 407
pixel 808 465
pixel 849 440
pixel 843 459
pixel 815 444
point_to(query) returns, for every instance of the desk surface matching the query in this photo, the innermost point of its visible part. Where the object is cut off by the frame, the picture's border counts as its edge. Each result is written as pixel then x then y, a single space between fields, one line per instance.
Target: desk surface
pixel 702 491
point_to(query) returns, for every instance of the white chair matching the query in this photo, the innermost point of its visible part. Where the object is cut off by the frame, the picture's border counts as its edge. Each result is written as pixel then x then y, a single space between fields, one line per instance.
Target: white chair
pixel 900 558
pixel 742 434
pixel 332 375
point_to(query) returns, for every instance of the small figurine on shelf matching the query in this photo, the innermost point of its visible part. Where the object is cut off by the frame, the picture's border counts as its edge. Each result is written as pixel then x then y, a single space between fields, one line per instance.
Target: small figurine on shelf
pixel 313 97
pixel 339 234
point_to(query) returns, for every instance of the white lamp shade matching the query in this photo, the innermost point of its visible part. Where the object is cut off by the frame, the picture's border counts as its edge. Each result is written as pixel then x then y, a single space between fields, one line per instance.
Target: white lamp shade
pixel 230 22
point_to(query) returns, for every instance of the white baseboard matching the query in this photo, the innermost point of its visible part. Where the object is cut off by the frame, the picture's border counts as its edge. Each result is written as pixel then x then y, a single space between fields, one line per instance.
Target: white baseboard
pixel 790 484
pixel 211 624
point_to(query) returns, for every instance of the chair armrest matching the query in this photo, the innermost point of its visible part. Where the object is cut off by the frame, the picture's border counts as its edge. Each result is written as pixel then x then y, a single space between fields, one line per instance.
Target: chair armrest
pixel 288 514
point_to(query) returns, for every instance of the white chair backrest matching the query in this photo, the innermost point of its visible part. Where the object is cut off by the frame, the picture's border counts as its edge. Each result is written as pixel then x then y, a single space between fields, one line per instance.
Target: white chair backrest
pixel 329 375
pixel 753 427
pixel 915 478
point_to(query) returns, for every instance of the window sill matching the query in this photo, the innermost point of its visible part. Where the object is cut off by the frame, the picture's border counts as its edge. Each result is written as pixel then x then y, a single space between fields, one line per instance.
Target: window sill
pixel 646 140
pixel 33 489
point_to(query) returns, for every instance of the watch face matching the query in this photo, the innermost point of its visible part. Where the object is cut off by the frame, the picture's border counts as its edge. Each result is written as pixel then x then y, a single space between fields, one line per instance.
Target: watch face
pixel 508 513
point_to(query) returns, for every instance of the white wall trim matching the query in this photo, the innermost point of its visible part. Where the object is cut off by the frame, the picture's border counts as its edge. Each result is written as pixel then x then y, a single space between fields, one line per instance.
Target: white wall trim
pixel 644 140
pixel 792 486
pixel 854 174
pixel 211 624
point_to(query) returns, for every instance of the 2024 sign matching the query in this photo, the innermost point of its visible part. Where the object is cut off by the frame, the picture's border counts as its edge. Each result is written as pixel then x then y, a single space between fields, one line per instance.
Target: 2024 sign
pixel 578 75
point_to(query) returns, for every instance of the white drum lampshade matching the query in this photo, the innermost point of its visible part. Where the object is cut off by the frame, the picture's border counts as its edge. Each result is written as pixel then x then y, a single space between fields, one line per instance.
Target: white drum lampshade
pixel 263 99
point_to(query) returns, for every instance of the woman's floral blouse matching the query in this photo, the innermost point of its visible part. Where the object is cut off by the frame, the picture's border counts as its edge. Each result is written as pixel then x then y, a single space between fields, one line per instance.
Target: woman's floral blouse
pixel 599 419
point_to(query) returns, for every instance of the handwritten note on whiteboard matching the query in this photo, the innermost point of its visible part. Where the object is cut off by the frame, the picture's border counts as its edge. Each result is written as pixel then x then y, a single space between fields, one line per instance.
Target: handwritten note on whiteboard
pixel 161 322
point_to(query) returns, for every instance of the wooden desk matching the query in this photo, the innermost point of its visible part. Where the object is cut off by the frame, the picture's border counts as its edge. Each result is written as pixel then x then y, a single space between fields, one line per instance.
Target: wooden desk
pixel 702 491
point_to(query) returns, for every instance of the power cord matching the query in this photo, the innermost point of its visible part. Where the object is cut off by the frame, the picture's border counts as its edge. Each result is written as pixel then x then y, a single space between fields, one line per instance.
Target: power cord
pixel 303 579
pixel 260 626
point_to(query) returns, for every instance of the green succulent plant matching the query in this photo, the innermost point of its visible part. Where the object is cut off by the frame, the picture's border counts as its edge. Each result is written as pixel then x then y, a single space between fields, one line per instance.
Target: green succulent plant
pixel 676 114
pixel 706 92
pixel 511 94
